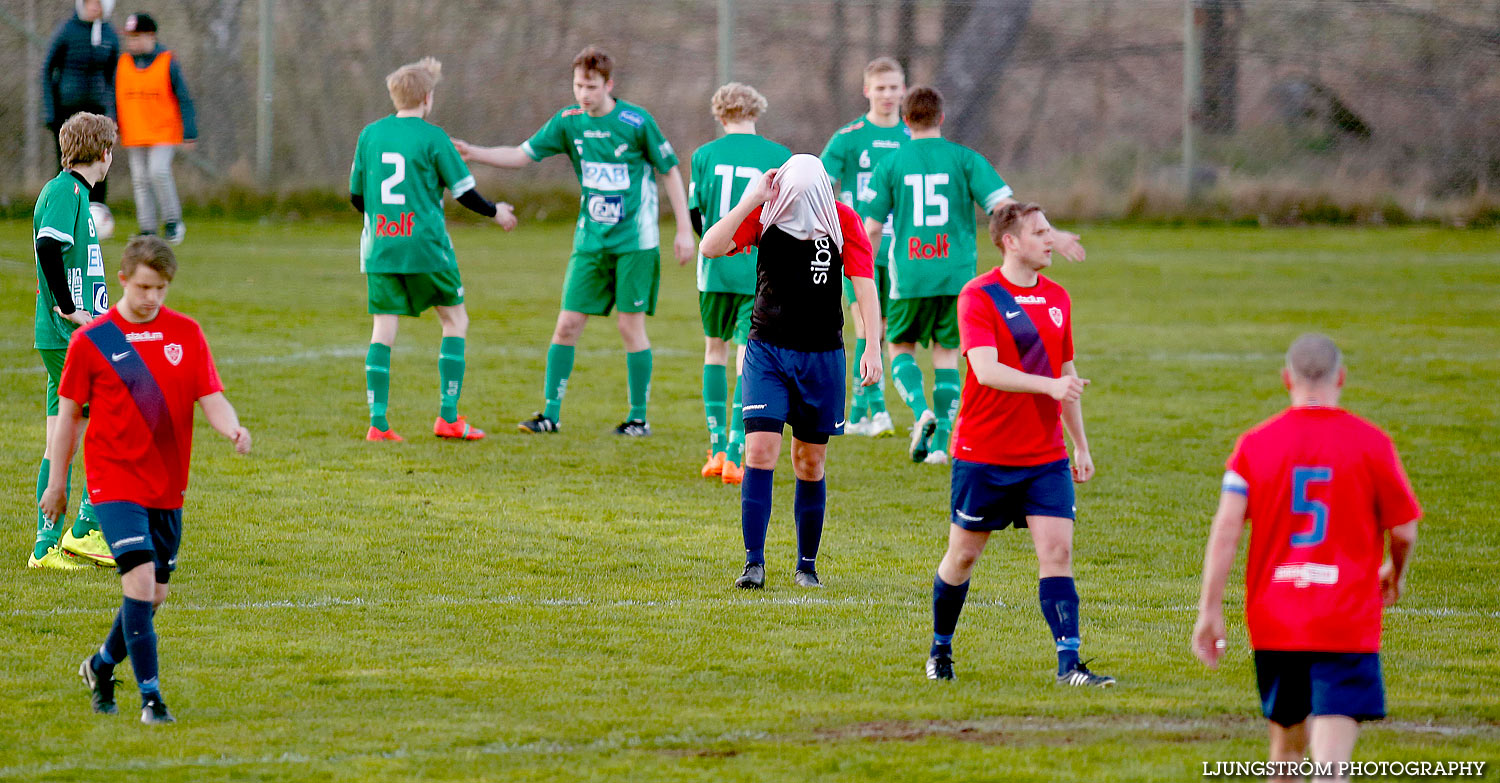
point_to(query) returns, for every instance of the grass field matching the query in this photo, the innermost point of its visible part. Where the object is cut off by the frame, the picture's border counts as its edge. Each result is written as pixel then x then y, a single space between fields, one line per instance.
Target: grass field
pixel 557 608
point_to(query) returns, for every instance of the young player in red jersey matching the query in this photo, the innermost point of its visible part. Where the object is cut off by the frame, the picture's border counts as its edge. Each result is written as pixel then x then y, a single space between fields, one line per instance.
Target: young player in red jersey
pixel 139 368
pixel 1010 461
pixel 794 359
pixel 1322 489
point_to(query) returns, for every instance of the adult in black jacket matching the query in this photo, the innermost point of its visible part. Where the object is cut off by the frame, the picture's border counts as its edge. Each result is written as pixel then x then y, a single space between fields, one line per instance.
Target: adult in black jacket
pixel 79 72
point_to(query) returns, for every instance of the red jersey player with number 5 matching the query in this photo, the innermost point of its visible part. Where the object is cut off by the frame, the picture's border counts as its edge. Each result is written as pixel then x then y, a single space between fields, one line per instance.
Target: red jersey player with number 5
pixel 1322 489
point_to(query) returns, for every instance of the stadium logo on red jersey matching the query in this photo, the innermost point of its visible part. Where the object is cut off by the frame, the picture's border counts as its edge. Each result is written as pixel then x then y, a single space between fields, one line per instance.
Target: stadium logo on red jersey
pixel 401 227
pixel 938 248
pixel 1057 315
pixel 173 352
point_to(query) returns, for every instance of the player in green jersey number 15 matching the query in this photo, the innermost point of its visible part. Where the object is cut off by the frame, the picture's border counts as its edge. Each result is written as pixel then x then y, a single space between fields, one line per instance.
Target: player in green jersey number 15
pixel 927 190
pixel 616 150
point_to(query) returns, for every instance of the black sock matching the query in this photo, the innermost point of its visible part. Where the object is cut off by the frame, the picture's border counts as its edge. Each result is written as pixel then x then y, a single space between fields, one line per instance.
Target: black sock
pixel 1059 600
pixel 808 506
pixel 947 602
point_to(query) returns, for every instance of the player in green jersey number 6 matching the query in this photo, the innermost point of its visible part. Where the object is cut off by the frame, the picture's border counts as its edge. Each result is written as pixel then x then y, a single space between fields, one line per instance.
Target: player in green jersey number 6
pixel 851 157
pixel 70 291
pixel 401 166
pixel 616 149
pixel 722 169
pixel 926 190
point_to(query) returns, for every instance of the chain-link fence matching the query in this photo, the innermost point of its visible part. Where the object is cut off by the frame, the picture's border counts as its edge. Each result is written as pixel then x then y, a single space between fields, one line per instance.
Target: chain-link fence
pixel 1076 101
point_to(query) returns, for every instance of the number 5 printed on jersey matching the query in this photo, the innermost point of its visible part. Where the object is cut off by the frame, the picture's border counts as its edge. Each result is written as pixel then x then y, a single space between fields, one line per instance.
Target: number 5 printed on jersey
pixel 1301 504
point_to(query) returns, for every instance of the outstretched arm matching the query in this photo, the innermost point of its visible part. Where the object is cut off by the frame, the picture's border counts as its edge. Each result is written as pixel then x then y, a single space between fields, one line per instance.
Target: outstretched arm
pixel 222 418
pixel 1223 542
pixel 499 157
pixel 682 244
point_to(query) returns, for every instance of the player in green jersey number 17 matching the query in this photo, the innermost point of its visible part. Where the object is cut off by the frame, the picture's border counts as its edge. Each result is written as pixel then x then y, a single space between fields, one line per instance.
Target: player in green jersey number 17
pixel 616 150
pixel 722 169
pixel 401 166
pixel 70 292
pixel 927 190
pixel 850 157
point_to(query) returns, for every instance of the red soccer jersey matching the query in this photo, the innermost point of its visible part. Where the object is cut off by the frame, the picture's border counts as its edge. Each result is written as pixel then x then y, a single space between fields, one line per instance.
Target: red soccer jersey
pixel 858 259
pixel 140 382
pixel 1031 329
pixel 1323 487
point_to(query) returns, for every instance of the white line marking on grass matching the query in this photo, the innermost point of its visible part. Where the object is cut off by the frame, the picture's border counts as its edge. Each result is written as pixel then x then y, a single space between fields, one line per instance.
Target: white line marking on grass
pixel 334 602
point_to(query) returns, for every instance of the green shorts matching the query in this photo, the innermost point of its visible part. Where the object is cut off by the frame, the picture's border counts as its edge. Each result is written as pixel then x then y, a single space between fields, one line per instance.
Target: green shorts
pixel 599 282
pixel 412 294
pixel 882 286
pixel 930 319
pixel 52 359
pixel 726 316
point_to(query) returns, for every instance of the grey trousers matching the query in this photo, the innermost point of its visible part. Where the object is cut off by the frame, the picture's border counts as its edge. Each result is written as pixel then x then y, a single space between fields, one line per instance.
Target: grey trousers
pixel 155 190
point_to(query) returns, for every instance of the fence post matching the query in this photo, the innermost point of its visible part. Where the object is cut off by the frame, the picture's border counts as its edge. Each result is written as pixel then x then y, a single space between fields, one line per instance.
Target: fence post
pixel 1192 78
pixel 726 41
pixel 264 93
pixel 30 144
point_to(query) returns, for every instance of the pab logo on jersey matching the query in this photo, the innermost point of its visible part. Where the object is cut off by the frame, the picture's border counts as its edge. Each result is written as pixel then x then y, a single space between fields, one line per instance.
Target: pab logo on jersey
pixel 1057 315
pixel 631 118
pixel 938 248
pixel 400 227
pixel 606 176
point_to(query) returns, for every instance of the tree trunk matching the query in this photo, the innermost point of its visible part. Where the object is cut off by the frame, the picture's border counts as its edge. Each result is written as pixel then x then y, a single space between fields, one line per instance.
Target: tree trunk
pixel 974 59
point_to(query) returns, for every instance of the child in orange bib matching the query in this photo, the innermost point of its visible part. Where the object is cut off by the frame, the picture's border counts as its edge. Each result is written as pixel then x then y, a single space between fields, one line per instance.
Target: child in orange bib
pixel 156 116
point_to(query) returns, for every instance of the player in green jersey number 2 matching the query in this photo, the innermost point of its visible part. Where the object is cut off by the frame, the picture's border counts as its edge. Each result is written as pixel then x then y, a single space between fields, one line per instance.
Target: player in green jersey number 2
pixel 722 169
pixel 70 292
pixel 926 190
pixel 616 150
pixel 401 166
pixel 850 158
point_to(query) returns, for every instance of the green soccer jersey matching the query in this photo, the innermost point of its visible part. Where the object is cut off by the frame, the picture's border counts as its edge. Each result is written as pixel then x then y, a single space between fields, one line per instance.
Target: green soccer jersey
pixel 928 188
pixel 62 213
pixel 401 166
pixel 722 169
pixel 613 157
pixel 851 157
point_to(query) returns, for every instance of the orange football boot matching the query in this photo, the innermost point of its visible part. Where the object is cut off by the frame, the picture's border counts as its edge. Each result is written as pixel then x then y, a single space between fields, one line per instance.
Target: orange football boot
pixel 714 466
pixel 380 435
pixel 732 473
pixel 459 430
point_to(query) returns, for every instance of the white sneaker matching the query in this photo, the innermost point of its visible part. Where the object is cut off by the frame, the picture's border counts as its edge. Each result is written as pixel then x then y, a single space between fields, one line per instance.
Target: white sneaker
pixel 936 458
pixel 921 436
pixel 880 426
pixel 860 427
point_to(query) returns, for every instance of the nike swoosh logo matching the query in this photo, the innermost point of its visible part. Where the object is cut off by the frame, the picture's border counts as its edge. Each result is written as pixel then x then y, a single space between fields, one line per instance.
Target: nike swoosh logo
pixel 1009 314
pixel 639 302
pixel 840 423
pixel 115 357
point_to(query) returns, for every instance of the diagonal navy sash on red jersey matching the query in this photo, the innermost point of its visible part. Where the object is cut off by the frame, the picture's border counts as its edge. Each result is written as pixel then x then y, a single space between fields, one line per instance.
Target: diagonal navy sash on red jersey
pixel 1028 339
pixel 132 371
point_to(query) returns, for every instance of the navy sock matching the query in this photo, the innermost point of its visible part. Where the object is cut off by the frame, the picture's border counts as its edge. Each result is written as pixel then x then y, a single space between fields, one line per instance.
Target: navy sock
pixel 140 640
pixel 947 602
pixel 1060 606
pixel 755 513
pixel 808 506
pixel 113 650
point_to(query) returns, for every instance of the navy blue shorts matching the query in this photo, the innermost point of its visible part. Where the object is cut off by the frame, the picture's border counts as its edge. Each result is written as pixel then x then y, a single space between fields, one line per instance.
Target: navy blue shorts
pixel 993 497
pixel 1296 684
pixel 802 388
pixel 154 532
